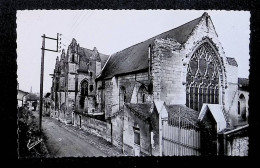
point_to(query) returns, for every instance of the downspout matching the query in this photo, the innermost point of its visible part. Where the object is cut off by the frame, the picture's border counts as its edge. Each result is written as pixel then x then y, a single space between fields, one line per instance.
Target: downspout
pixel 149 63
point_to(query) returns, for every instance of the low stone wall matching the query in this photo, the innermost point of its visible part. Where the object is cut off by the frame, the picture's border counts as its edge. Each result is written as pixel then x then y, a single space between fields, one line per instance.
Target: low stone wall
pixel 94 126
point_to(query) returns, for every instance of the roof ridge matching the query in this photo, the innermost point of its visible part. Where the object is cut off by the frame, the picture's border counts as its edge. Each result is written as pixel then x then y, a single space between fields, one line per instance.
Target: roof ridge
pixel 157 35
pixel 93 50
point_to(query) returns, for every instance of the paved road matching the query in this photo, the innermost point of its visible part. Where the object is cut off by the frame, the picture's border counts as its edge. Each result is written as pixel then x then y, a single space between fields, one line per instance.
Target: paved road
pixel 64 143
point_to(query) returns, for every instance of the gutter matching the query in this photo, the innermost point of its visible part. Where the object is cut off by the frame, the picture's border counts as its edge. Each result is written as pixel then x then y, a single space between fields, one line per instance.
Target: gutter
pixel 237 129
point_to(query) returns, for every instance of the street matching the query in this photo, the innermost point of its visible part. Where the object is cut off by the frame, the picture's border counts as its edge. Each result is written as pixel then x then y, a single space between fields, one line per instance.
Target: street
pixel 68 141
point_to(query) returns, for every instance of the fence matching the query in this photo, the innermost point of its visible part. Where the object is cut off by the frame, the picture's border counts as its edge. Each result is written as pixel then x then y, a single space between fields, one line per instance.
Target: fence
pixel 180 138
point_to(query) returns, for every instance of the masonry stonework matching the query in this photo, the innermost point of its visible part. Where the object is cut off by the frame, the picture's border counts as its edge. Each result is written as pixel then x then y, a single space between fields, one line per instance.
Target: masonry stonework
pixel 89 84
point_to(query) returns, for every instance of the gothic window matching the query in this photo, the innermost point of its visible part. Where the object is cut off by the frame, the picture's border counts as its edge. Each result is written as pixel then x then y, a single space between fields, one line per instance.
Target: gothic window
pixel 83 93
pixel 242 106
pixel 84 88
pixel 202 80
pixel 122 97
pixel 142 94
pixel 73 58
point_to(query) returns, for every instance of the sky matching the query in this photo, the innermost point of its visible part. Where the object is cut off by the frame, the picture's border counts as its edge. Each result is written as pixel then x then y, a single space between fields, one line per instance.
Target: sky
pixel 111 31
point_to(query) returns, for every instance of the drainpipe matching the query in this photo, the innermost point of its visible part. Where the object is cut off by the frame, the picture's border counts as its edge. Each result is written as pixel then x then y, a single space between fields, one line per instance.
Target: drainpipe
pixel 149 63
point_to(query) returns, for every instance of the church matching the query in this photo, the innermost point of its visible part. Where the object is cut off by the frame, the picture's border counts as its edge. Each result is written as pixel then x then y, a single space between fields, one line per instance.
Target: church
pixel 132 97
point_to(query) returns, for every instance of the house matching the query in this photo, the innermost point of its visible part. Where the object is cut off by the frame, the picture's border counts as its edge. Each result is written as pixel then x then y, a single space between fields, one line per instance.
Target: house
pixel 32 100
pixel 21 97
pixel 180 76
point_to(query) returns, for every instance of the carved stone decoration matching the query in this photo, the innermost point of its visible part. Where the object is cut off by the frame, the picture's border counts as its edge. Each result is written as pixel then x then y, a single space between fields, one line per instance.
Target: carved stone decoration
pixel 202 80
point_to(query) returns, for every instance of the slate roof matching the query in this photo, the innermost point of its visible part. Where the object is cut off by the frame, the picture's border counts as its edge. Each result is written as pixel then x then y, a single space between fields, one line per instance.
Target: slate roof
pixel 135 58
pixel 84 56
pixel 32 97
pixel 232 61
pixel 217 112
pixel 185 113
pixel 142 109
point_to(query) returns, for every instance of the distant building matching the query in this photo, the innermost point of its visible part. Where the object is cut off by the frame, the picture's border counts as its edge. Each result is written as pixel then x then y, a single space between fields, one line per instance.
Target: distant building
pixel 32 100
pixel 21 97
pixel 140 93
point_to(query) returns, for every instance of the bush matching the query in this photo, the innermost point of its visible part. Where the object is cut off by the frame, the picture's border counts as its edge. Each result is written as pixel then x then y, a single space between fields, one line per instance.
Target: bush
pixel 28 130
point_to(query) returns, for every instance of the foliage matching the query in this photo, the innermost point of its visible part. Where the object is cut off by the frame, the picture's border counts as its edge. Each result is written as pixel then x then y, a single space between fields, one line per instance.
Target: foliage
pixel 29 130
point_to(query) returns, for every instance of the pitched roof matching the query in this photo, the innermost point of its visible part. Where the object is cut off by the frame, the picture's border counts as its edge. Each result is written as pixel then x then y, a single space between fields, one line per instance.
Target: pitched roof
pixel 232 61
pixel 87 53
pixel 32 97
pixel 84 56
pixel 185 113
pixel 135 58
pixel 217 112
pixel 141 109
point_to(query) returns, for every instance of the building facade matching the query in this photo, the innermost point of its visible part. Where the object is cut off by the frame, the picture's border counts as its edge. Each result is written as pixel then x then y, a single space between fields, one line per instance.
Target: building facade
pixel 185 67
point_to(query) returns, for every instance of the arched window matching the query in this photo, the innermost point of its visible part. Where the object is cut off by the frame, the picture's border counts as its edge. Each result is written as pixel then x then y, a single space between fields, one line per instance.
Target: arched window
pixel 142 94
pixel 122 97
pixel 73 58
pixel 83 93
pixel 84 88
pixel 242 106
pixel 202 80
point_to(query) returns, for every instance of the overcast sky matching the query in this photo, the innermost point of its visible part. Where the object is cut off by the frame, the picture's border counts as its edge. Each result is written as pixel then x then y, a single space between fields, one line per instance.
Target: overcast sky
pixel 111 31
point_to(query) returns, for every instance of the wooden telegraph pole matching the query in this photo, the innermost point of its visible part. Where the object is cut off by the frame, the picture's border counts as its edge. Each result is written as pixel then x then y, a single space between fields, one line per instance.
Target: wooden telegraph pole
pixel 42 71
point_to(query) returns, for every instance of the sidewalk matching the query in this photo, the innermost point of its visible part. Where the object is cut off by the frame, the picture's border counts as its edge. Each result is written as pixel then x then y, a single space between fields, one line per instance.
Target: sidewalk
pixel 96 141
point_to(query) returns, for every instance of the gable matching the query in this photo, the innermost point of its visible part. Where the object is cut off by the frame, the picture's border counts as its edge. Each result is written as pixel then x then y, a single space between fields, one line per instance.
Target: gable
pixel 135 58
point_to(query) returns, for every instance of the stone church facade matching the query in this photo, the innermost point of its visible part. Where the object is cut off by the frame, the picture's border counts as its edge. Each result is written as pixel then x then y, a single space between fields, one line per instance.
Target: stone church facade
pixel 185 66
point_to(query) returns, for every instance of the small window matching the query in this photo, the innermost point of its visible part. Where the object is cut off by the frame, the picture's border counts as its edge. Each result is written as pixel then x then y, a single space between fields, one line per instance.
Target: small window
pixel 136 135
pixel 91 74
pixel 143 101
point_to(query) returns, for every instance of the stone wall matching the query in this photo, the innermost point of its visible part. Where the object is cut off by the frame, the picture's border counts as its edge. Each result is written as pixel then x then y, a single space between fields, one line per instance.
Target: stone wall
pixel 231 94
pixel 130 82
pixel 130 121
pixel 108 97
pixel 238 147
pixel 167 72
pixel 93 126
pixel 117 130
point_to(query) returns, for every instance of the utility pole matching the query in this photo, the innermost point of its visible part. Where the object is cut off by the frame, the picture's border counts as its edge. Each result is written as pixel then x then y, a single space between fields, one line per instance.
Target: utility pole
pixel 42 71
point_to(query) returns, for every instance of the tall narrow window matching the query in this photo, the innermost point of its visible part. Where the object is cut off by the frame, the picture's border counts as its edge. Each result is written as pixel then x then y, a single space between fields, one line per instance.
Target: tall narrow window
pixel 242 104
pixel 202 78
pixel 73 58
pixel 83 93
pixel 122 97
pixel 142 94
pixel 238 108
